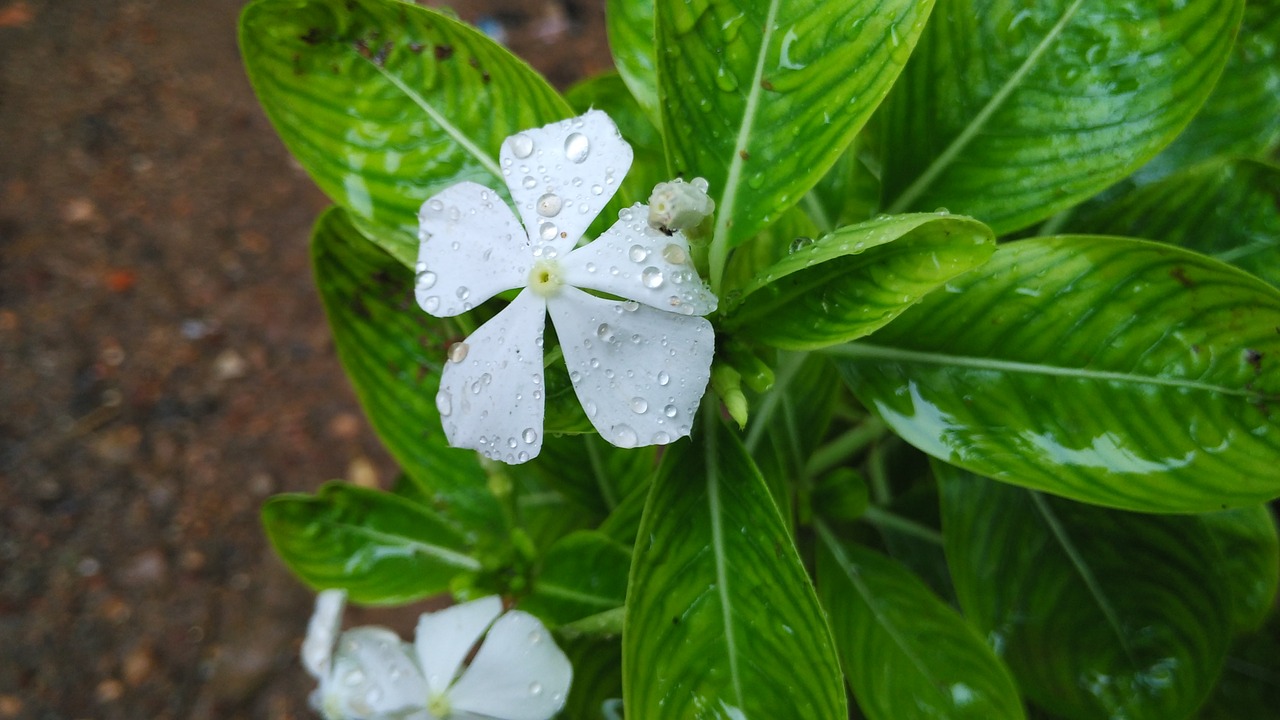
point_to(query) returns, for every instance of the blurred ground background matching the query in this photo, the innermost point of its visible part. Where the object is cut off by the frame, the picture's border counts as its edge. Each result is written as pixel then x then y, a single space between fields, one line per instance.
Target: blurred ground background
pixel 165 365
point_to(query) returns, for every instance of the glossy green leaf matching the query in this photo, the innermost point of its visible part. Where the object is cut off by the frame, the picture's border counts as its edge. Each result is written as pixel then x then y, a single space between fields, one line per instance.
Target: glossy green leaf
pixel 380 548
pixel 583 574
pixel 721 619
pixel 1242 116
pixel 629 24
pixel 794 228
pixel 393 353
pixel 761 97
pixel 1099 613
pixel 848 194
pixel 1010 111
pixel 853 281
pixel 387 103
pixel 1112 371
pixel 1228 210
pixel 543 510
pixel 595 474
pixel 906 654
pixel 1246 537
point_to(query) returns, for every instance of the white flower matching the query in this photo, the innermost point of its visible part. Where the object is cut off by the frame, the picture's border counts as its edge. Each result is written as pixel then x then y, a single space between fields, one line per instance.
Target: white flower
pixel 517 674
pixel 678 205
pixel 639 364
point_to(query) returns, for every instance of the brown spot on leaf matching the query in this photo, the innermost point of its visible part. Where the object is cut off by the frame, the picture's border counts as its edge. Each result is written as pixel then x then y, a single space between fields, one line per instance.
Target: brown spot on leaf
pixel 380 57
pixel 1179 273
pixel 444 52
pixel 1254 358
pixel 313 36
pixel 764 83
pixel 744 154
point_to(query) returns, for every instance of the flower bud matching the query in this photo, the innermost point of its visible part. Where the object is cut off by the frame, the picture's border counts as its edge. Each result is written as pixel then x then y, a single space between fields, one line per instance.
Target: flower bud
pixel 678 205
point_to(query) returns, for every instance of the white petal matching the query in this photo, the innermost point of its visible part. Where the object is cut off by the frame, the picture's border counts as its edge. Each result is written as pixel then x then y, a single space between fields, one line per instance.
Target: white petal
pixel 471 249
pixel 636 262
pixel 445 638
pixel 322 632
pixel 490 396
pixel 518 674
pixel 639 373
pixel 374 673
pixel 561 175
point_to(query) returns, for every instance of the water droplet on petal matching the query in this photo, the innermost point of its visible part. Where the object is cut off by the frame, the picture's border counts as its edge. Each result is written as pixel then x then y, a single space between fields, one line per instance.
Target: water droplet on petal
pixel 674 254
pixel 535 688
pixel 577 147
pixel 651 277
pixel 638 253
pixel 522 146
pixel 548 231
pixel 549 205
pixel 624 436
pixel 535 637
pixel 530 436
pixel 458 352
pixel 663 378
pixel 639 405
pixel 597 189
pixel 670 411
pixel 436 205
pixel 605 332
pixel 591 409
pixel 661 438
pixel 444 403
pixel 432 304
pixel 463 293
pixel 425 280
pixel 529 182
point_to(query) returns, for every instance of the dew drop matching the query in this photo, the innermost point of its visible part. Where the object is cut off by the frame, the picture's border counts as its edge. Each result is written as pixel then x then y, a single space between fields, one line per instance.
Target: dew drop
pixel 458 352
pixel 549 205
pixel 432 304
pixel 605 332
pixel 591 267
pixel 651 277
pixel 638 253
pixel 548 231
pixel 511 443
pixel 674 254
pixel 522 146
pixel 670 411
pixel 425 280
pixel 577 147
pixel 463 293
pixel 436 205
pixel 591 409
pixel 598 190
pixel 444 403
pixel 535 688
pixel 800 243
pixel 535 637
pixel 629 305
pixel 624 436
pixel 661 438
pixel 663 378
pixel 530 436
pixel 639 405
pixel 529 182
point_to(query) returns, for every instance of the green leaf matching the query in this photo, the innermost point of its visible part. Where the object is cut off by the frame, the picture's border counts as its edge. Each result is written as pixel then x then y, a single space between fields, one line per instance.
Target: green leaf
pixel 793 228
pixel 597 676
pixel 1098 613
pixel 761 97
pixel 1111 371
pixel 629 24
pixel 848 194
pixel 906 653
pixel 1246 537
pixel 1242 116
pixel 1010 112
pixel 1228 210
pixel 852 282
pixel 583 574
pixel 393 354
pixel 1250 685
pixel 387 103
pixel 721 618
pixel 378 547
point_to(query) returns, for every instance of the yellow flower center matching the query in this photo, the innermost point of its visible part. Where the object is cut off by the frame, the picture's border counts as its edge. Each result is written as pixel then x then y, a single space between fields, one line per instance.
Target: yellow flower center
pixel 544 278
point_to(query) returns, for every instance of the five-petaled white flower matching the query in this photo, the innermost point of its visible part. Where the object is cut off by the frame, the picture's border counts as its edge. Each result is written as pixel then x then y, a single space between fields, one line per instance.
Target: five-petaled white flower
pixel 368 673
pixel 639 360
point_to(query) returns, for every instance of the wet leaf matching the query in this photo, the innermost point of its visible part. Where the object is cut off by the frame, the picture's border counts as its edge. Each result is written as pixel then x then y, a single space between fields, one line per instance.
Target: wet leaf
pixel 721 618
pixel 1111 371
pixel 582 574
pixel 907 655
pixel 380 548
pixel 1098 613
pixel 629 24
pixel 1010 112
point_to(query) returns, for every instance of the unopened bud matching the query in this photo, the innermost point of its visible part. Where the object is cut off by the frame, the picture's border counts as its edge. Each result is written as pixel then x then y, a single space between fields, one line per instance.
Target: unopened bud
pixel 679 205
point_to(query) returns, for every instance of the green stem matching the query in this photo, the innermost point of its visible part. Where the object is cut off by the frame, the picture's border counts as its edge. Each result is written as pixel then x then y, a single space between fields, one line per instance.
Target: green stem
pixel 840 449
pixel 886 520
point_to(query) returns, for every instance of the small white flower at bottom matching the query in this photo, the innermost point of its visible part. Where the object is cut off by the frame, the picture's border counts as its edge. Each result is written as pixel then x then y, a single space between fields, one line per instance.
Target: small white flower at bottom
pixel 639 364
pixel 368 673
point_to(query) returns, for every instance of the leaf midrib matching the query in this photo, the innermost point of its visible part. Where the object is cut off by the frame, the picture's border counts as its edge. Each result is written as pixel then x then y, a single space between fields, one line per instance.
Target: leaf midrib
pixel 860 351
pixel 443 554
pixel 711 418
pixel 975 126
pixel 719 251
